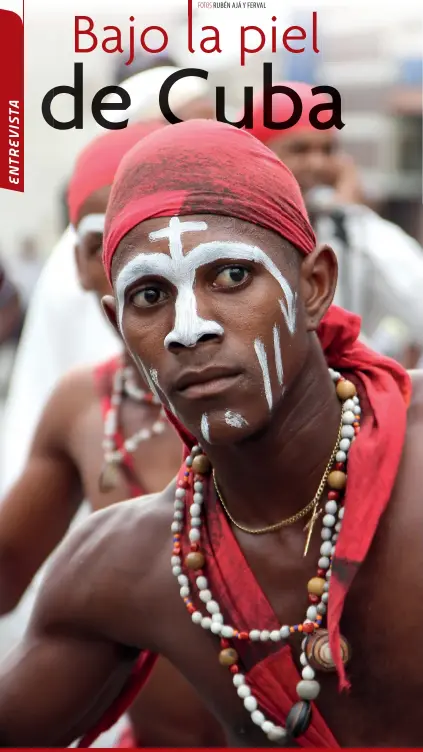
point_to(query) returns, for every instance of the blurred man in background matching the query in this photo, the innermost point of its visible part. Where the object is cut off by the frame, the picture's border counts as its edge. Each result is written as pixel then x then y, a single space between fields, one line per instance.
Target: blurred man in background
pixel 64 326
pixel 380 266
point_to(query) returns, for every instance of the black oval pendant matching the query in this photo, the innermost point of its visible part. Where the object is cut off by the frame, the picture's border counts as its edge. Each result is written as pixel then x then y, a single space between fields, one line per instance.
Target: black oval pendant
pixel 298 719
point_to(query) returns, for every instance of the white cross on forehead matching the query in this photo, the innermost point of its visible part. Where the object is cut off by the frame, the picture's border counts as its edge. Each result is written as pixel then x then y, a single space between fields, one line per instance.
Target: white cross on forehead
pixel 174 233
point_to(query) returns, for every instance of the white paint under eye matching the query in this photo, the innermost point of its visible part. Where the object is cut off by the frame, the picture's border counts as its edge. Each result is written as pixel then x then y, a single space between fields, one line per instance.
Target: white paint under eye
pixel 235 419
pixel 278 354
pixel 262 359
pixel 90 223
pixel 205 428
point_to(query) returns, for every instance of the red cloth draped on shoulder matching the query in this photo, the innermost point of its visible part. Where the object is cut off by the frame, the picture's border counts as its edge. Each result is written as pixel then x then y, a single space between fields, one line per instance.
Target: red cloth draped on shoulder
pixel 203 167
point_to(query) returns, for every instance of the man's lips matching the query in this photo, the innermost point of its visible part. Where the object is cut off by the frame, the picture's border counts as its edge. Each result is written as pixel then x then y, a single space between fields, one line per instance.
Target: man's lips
pixel 207 382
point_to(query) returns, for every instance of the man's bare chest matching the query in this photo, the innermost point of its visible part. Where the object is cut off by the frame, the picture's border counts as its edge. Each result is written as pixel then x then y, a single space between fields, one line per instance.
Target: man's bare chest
pixel 381 674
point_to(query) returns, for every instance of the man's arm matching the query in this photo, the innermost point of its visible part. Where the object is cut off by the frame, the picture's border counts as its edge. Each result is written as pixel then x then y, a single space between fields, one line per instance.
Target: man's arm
pixel 37 511
pixel 66 672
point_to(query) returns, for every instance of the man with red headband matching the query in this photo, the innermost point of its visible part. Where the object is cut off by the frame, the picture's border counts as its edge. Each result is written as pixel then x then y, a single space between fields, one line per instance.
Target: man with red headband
pixel 271 572
pixel 380 266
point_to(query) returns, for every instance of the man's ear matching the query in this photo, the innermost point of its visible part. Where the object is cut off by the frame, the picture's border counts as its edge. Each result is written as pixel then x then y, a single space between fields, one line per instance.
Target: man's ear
pixel 109 307
pixel 319 275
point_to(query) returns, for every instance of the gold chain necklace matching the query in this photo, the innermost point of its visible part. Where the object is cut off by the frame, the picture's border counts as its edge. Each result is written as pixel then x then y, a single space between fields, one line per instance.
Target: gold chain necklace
pixel 311 506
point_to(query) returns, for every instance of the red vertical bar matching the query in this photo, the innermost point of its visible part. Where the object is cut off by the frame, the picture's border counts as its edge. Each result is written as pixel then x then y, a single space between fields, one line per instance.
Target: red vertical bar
pixel 11 101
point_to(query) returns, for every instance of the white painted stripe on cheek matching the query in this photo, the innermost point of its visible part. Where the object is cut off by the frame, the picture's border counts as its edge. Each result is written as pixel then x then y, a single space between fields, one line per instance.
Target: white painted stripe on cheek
pixel 164 398
pixel 205 430
pixel 235 419
pixel 142 369
pixel 154 377
pixel 290 315
pixel 278 354
pixel 262 359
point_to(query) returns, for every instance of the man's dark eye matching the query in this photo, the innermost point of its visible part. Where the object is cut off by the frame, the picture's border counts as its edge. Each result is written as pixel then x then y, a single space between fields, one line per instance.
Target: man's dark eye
pixel 147 297
pixel 231 276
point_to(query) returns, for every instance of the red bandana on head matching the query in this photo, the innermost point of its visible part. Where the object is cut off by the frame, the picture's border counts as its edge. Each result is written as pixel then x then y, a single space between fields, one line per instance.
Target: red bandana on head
pixel 97 164
pixel 205 167
pixel 282 109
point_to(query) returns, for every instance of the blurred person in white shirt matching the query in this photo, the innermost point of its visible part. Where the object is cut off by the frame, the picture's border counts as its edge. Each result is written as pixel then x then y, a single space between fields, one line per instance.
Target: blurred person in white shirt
pixel 380 265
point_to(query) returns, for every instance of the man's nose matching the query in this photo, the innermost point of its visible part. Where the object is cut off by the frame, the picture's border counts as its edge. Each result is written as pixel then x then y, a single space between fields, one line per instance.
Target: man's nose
pixel 207 331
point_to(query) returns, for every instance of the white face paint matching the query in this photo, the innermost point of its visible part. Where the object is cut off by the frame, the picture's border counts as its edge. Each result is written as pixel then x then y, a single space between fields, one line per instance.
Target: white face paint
pixel 205 430
pixel 235 419
pixel 262 359
pixel 146 374
pixel 278 354
pixel 158 391
pixel 180 271
pixel 90 223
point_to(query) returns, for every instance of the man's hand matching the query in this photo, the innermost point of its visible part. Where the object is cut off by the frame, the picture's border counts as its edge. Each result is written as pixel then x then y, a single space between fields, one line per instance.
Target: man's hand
pixel 347 181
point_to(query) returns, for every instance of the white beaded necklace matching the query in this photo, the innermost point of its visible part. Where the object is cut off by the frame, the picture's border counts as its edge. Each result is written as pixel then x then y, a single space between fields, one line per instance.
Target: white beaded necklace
pixel 308 687
pixel 124 384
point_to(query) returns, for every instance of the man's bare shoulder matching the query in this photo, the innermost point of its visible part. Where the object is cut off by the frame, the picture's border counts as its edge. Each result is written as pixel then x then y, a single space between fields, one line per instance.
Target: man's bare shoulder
pixel 75 387
pixel 74 396
pixel 94 569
